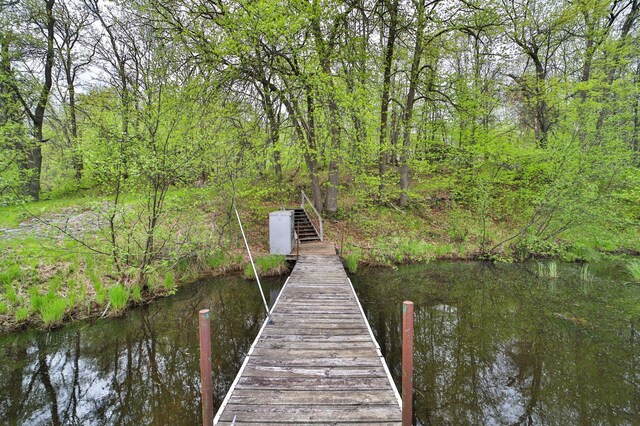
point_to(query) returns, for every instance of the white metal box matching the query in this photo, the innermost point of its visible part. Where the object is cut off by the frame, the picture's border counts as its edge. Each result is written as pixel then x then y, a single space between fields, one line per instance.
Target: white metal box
pixel 281 236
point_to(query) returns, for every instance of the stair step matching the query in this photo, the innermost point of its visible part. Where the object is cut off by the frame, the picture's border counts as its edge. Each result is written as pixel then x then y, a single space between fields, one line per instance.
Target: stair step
pixel 310 239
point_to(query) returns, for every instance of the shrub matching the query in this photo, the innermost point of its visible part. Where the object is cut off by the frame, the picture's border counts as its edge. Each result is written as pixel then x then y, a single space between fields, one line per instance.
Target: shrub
pixel 118 297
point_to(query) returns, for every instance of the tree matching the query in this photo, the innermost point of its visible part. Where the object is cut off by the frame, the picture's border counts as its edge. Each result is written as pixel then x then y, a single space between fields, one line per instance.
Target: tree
pixel 41 17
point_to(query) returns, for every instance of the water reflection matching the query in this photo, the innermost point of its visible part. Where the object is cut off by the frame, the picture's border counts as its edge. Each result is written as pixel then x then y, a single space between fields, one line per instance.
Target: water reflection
pixel 139 369
pixel 499 345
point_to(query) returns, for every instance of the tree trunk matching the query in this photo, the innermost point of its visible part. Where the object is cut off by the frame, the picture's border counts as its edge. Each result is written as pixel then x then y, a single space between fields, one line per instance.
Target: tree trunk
pixel 386 88
pixel 310 154
pixel 273 129
pixel 408 109
pixel 34 154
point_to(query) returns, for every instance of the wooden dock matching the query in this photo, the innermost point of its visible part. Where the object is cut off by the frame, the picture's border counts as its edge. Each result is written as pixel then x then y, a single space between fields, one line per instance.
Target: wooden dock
pixel 316 361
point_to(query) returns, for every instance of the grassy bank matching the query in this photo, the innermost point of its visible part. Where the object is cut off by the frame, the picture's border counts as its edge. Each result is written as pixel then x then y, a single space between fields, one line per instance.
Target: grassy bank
pixel 57 265
pixel 59 262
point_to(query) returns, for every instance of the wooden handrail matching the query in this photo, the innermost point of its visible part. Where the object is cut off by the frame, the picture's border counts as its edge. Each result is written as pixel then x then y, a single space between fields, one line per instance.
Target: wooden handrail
pixel 320 231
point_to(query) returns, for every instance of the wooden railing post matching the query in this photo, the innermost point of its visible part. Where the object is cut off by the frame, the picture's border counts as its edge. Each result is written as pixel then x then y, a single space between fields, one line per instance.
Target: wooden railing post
pixel 407 363
pixel 204 323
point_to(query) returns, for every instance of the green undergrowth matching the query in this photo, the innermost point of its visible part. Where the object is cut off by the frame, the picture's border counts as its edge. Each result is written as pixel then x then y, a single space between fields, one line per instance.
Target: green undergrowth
pixel 270 265
pixel 45 281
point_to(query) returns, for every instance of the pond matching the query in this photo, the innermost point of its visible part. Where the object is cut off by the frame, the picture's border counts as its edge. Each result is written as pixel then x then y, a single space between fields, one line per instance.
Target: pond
pixel 142 368
pixel 499 344
pixel 494 344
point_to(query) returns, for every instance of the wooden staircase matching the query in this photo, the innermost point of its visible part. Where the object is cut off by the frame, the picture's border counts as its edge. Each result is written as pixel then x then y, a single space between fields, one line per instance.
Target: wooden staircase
pixel 305 229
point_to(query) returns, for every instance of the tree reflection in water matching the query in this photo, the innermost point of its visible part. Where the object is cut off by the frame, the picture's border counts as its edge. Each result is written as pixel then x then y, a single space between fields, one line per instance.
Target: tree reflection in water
pixel 142 368
pixel 496 344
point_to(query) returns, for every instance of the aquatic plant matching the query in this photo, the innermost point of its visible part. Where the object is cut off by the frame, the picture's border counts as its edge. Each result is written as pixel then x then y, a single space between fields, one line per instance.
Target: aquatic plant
pixel 52 309
pixel 633 267
pixel 118 297
pixel 585 273
pixel 553 270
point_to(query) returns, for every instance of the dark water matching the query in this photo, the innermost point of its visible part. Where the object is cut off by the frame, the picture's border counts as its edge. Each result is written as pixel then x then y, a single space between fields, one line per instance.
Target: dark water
pixel 496 344
pixel 140 369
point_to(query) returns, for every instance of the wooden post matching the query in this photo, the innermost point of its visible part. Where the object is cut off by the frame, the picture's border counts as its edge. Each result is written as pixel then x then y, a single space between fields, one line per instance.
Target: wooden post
pixel 205 367
pixel 407 363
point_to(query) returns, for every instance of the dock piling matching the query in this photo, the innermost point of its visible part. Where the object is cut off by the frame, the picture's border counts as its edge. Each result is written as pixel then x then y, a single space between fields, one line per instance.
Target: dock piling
pixel 204 323
pixel 407 363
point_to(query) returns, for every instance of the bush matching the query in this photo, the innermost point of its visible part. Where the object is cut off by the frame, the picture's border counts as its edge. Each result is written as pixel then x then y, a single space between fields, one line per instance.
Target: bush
pixel 118 297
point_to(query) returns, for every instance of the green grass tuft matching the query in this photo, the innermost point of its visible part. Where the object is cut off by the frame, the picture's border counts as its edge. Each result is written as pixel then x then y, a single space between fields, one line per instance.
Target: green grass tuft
pixel 118 297
pixel 136 293
pixel 217 260
pixel 22 314
pixel 351 260
pixel 633 267
pixel 101 294
pixel 52 309
pixel 169 280
pixel 3 308
pixel 9 275
pixel 10 294
pixel 266 265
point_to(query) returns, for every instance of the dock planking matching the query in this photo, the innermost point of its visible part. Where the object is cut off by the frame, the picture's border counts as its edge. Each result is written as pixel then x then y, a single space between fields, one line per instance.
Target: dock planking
pixel 317 362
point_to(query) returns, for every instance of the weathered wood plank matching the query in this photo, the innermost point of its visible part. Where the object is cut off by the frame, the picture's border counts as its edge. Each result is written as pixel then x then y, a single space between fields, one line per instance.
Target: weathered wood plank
pixel 316 397
pixel 262 371
pixel 314 423
pixel 319 346
pixel 311 413
pixel 316 362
